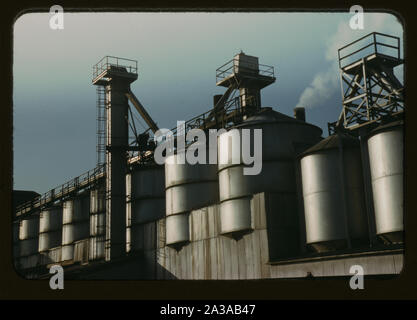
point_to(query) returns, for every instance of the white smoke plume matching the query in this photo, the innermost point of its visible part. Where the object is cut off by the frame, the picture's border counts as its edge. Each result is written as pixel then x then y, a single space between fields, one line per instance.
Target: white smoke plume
pixel 326 83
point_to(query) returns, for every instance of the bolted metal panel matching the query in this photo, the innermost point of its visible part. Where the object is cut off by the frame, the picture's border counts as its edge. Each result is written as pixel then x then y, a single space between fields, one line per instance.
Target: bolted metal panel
pixel 235 215
pixel 177 229
pixel 29 228
pixel 48 240
pixel 50 220
pixel 324 200
pixel 77 209
pixel 386 165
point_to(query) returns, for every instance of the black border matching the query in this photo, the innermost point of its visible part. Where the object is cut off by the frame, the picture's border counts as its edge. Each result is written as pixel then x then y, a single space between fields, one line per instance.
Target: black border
pixel 14 287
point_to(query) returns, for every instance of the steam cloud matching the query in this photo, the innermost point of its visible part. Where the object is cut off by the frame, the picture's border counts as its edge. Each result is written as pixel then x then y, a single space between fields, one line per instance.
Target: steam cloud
pixel 326 83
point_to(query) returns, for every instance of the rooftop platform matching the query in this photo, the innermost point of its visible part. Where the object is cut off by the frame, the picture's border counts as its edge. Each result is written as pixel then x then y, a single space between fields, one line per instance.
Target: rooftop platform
pixel 375 49
pixel 113 67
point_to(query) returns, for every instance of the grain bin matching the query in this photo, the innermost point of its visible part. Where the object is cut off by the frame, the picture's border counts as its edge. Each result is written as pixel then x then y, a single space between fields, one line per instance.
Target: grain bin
pixel 50 229
pixel 76 220
pixel 97 223
pixel 333 193
pixel 29 241
pixel 386 154
pixel 145 201
pixel 188 187
pixel 281 135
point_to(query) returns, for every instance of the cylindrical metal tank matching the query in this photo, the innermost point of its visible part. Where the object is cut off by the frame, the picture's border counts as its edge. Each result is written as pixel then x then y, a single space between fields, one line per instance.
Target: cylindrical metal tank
pixel 50 228
pixel 188 187
pixel 97 223
pixel 281 135
pixel 333 193
pixel 76 224
pixel 386 156
pixel 29 241
pixel 145 200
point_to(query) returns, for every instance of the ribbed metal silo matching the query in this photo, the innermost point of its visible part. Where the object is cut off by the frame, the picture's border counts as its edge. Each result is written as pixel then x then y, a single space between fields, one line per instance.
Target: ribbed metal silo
pixel 97 223
pixel 76 221
pixel 29 241
pixel 333 193
pixel 385 147
pixel 145 191
pixel 50 230
pixel 188 187
pixel 281 135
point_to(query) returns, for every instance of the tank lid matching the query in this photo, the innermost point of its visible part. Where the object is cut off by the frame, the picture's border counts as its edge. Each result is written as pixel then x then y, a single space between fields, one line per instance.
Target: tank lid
pixel 387 126
pixel 268 115
pixel 332 142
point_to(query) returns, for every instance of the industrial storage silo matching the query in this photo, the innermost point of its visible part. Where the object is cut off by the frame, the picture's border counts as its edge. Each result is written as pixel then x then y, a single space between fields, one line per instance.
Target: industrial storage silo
pixel 188 187
pixel 281 137
pixel 76 224
pixel 333 193
pixel 145 196
pixel 50 230
pixel 386 150
pixel 97 223
pixel 29 241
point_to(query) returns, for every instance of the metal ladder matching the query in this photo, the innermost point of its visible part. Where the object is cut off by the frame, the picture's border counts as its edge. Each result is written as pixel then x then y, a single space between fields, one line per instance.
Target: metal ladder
pixel 101 125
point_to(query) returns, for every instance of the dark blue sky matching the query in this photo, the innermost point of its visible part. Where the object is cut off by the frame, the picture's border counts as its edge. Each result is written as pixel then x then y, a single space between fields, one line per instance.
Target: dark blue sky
pixel 177 53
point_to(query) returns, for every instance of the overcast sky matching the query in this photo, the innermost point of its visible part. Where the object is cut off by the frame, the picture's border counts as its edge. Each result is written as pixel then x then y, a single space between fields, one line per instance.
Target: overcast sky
pixel 178 53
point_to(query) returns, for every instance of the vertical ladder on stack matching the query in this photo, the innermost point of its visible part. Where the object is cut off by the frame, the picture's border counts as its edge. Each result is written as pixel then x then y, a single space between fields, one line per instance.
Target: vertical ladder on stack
pixel 101 125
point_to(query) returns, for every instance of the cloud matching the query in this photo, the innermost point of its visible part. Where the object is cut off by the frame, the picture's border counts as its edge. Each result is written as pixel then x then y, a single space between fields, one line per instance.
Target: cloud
pixel 325 83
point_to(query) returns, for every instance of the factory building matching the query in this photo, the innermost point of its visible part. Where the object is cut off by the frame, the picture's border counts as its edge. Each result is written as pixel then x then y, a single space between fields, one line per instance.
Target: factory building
pixel 317 207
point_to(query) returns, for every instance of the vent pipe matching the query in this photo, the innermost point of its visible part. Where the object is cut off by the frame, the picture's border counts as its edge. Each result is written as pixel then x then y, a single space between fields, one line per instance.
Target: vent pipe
pixel 300 114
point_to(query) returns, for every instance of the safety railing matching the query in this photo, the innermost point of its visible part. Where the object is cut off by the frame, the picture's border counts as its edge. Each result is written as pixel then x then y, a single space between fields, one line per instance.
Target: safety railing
pixel 372 43
pixel 235 66
pixel 107 62
pixel 63 190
